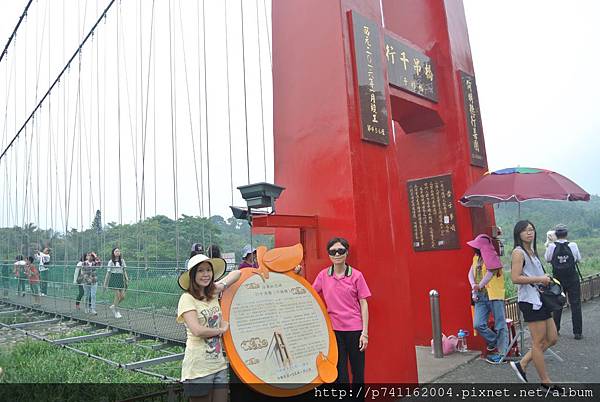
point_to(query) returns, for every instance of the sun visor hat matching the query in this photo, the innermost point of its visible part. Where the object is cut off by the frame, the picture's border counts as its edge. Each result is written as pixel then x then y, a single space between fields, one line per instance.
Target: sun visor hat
pixel 484 244
pixel 218 265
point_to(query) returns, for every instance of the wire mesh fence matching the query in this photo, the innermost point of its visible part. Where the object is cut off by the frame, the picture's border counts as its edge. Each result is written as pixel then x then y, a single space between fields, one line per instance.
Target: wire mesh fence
pixel 152 294
pixel 149 306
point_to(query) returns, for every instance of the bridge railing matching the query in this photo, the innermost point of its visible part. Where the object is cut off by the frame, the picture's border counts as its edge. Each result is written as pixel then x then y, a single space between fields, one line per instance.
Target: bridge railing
pixel 149 308
pixel 151 297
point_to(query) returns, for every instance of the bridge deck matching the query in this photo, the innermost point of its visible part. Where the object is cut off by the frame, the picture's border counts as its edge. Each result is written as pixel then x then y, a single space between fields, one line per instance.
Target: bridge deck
pixel 138 321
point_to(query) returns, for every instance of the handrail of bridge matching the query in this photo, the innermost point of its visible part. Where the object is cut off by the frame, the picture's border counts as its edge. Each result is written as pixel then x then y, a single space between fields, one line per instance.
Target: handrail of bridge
pixel 150 306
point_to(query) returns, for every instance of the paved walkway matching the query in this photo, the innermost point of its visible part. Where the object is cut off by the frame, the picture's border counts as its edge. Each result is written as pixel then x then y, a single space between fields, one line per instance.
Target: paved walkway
pixel 581 358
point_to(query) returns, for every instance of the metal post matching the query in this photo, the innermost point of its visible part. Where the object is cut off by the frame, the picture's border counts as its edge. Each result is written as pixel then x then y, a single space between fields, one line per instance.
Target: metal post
pixel 436 324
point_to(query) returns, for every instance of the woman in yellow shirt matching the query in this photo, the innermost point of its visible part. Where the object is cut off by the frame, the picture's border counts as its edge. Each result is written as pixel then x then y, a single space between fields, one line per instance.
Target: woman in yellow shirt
pixel 204 368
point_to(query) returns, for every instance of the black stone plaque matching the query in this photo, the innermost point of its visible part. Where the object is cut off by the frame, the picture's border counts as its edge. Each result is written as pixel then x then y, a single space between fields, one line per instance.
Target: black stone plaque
pixel 432 213
pixel 370 80
pixel 473 120
pixel 410 70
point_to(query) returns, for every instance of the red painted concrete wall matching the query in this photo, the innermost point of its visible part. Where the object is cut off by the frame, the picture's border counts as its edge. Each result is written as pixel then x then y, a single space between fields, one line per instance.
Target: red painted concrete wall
pixel 358 189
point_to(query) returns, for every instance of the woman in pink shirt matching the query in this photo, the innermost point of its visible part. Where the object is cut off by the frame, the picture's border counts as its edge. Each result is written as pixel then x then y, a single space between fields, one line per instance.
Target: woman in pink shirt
pixel 345 293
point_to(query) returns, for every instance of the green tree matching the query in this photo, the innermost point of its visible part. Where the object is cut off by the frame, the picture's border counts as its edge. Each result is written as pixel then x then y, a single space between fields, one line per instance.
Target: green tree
pixel 97 223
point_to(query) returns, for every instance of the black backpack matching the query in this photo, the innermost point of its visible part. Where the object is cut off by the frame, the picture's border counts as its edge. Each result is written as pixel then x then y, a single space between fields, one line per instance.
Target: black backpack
pixel 563 262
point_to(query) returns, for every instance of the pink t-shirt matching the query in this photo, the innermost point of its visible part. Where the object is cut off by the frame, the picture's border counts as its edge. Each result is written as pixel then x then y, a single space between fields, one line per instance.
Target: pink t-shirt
pixel 341 295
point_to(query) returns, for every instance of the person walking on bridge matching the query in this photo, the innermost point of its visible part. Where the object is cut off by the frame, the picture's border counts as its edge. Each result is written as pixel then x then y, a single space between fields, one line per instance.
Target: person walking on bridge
pixel 90 283
pixel 19 270
pixel 78 279
pixel 34 280
pixel 44 261
pixel 527 271
pixel 116 278
pixel 564 257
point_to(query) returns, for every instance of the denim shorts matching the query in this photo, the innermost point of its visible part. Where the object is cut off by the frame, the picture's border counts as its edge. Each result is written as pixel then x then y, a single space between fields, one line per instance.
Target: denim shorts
pixel 201 386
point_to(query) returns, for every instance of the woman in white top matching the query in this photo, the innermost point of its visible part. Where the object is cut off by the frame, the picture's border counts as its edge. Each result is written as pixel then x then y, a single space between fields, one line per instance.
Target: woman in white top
pixel 44 260
pixel 78 279
pixel 527 272
pixel 116 278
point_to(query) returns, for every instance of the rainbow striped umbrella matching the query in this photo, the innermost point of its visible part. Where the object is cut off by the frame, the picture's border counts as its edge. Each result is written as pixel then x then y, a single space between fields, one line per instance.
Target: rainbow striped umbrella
pixel 521 184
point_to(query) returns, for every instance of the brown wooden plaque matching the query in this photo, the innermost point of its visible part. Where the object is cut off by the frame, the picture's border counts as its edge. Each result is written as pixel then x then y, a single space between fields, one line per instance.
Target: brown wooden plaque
pixel 473 120
pixel 370 80
pixel 432 213
pixel 410 70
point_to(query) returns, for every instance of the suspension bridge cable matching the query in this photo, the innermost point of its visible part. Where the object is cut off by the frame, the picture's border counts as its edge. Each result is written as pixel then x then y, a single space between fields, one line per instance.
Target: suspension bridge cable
pixel 201 153
pixel 206 108
pixel 154 152
pixel 245 94
pixel 262 110
pixel 131 128
pixel 14 32
pixel 228 103
pixel 103 149
pixel 173 134
pixel 119 124
pixel 268 32
pixel 65 68
pixel 151 67
pixel 187 86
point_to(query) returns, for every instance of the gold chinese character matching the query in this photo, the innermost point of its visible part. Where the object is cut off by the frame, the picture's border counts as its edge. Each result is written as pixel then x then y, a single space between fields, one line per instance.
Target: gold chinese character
pixel 403 59
pixel 428 72
pixel 417 66
pixel 390 53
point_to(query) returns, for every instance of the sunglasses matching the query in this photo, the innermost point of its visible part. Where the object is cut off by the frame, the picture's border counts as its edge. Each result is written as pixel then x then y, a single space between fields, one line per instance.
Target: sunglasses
pixel 337 251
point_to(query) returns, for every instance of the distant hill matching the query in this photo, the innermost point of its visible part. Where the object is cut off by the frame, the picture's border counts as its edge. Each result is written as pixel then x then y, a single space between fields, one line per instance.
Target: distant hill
pixel 582 218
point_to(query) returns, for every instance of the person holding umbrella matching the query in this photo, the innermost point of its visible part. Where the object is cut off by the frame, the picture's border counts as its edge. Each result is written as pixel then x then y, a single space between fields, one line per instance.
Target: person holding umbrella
pixel 526 272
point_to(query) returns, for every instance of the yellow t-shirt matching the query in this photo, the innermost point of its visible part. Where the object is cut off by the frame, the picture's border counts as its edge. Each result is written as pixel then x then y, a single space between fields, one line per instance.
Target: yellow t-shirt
pixel 203 356
pixel 495 287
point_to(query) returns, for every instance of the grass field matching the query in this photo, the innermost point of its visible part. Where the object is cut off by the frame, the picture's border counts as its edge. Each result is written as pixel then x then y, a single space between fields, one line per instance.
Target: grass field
pixel 40 362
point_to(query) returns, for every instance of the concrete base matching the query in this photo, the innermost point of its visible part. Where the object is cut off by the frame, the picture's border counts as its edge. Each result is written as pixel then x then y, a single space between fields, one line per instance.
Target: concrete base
pixel 429 368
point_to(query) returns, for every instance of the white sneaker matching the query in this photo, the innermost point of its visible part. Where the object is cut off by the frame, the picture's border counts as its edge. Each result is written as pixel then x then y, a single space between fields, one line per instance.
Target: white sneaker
pixel 118 315
pixel 94 312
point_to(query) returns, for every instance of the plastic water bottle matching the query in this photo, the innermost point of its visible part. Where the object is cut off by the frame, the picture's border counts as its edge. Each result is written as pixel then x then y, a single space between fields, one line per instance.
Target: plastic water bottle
pixel 461 346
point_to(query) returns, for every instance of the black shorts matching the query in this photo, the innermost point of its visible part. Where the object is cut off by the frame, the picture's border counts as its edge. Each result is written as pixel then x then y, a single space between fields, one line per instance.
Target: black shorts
pixel 531 315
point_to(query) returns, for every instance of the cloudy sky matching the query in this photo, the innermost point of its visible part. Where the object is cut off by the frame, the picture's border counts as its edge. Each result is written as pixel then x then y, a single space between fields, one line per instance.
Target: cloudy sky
pixel 535 64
